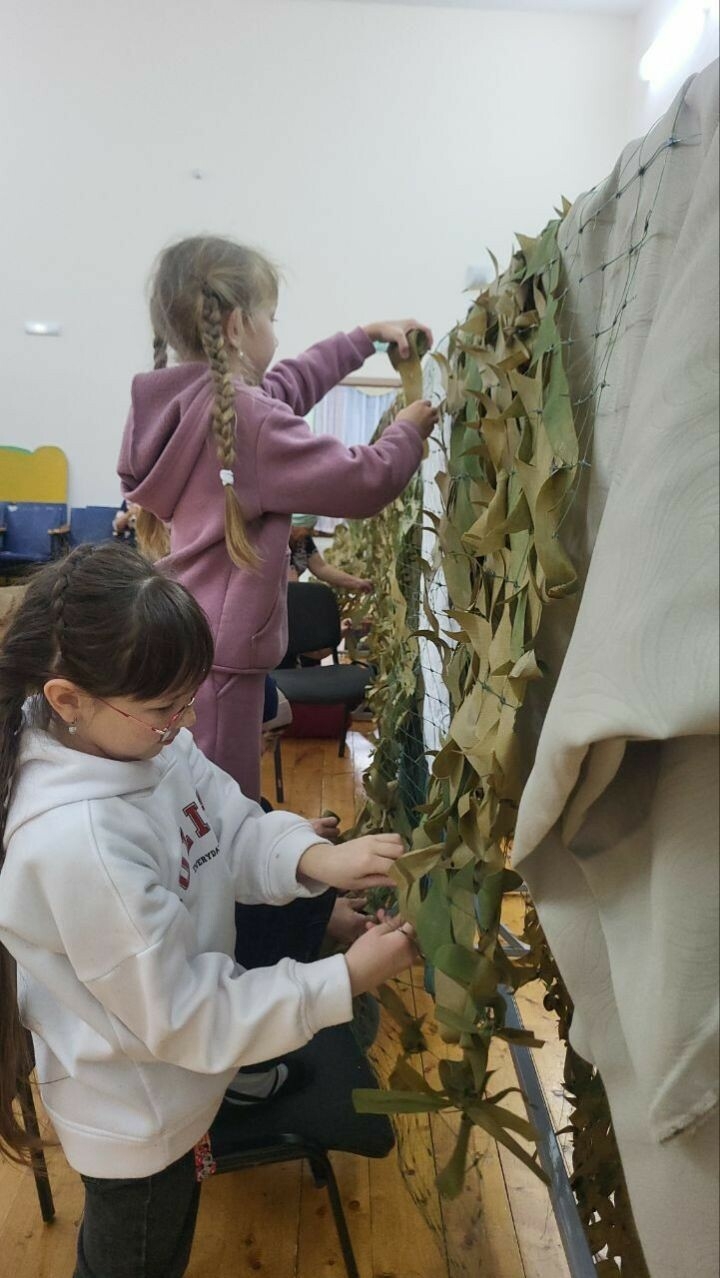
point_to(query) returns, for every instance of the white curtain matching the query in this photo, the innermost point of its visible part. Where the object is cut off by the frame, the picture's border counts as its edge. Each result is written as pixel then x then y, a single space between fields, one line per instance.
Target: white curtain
pixel 351 414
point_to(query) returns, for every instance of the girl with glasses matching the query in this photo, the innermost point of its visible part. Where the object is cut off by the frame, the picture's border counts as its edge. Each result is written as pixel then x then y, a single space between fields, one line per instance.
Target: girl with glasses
pixel 124 851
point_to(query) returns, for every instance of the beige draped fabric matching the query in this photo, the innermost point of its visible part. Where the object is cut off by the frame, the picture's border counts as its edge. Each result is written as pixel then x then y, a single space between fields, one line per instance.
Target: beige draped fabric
pixel 617 833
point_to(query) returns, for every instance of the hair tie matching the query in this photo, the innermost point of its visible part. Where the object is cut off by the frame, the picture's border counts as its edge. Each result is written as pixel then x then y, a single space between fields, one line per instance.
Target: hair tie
pixel 227 479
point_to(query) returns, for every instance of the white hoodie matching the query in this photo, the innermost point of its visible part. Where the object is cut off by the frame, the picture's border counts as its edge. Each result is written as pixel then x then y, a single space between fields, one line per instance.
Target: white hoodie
pixel 117 900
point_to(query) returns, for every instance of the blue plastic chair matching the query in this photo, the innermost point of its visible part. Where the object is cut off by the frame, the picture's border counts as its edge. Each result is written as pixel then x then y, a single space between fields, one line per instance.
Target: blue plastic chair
pixel 32 532
pixel 91 524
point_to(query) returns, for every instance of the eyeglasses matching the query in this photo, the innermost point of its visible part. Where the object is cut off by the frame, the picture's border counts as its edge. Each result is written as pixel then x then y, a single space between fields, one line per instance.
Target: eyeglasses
pixel 162 733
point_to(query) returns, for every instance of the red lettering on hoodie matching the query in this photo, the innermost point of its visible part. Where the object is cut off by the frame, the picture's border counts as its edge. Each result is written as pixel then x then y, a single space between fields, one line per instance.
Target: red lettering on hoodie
pixel 201 826
pixel 184 875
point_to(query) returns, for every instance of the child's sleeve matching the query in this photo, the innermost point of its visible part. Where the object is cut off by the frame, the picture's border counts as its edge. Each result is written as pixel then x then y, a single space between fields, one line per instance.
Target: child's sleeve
pixel 303 382
pixel 262 848
pixel 297 470
pixel 135 948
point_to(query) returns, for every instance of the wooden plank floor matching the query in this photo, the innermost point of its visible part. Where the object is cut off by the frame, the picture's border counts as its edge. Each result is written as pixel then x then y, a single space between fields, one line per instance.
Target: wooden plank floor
pixel 272 1223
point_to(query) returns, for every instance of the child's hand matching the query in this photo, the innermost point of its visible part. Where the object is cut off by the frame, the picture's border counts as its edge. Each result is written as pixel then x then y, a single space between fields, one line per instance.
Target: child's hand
pixel 347 921
pixel 326 827
pixel 383 952
pixel 421 415
pixel 396 331
pixel 354 866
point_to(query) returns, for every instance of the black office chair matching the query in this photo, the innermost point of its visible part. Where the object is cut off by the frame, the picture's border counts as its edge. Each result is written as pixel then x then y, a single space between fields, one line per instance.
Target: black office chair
pixel 309 1124
pixel 306 1125
pixel 314 623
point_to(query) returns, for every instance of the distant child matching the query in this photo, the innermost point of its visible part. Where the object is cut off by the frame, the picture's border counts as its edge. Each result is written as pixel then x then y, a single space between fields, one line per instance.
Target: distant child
pixel 150 536
pixel 217 447
pixel 123 525
pixel 124 850
pixel 305 557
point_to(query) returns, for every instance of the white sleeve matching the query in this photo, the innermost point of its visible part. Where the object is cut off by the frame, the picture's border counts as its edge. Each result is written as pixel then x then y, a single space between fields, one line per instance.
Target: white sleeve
pixel 203 1012
pixel 263 848
pixel 134 946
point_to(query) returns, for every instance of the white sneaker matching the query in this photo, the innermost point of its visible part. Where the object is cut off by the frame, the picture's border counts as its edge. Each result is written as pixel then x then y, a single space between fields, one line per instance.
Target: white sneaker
pixel 283 717
pixel 257 1087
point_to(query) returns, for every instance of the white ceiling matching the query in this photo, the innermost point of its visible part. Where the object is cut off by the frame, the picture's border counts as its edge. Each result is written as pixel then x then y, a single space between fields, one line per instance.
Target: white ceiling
pixel 537 6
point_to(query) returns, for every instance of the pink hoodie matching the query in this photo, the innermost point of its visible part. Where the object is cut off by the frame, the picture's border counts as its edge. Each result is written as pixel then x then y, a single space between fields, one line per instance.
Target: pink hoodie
pixel 168 464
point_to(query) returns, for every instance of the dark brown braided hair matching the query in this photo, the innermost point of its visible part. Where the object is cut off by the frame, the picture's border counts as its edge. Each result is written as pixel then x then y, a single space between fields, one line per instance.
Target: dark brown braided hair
pixel 197 283
pixel 107 620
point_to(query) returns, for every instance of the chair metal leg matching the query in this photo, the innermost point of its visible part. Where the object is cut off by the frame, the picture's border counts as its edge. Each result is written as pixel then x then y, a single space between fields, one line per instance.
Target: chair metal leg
pixel 323 1174
pixel 279 789
pixel 343 735
pixel 39 1166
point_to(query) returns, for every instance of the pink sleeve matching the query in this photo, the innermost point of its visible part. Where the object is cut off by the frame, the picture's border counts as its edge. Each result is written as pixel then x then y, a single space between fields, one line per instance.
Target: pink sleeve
pixel 124 465
pixel 297 470
pixel 303 382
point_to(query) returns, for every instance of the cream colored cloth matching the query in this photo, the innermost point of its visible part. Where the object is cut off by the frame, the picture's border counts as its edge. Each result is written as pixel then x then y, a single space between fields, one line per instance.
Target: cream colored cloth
pixel 617 833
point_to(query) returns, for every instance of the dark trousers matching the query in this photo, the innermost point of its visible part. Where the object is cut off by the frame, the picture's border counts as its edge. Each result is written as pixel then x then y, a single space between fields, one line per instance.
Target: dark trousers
pixel 267 933
pixel 264 934
pixel 141 1228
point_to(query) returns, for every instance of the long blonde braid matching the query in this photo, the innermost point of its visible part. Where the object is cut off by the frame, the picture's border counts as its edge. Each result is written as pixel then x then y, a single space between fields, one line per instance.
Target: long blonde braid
pixel 160 352
pixel 224 425
pixel 151 534
pixel 196 285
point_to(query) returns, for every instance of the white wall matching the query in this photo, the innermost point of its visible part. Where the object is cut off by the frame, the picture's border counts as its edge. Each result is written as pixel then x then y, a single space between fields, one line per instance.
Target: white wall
pixel 375 150
pixel 651 100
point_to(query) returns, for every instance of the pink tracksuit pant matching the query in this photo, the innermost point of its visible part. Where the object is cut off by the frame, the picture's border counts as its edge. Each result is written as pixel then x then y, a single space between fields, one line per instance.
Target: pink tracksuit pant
pixel 229 709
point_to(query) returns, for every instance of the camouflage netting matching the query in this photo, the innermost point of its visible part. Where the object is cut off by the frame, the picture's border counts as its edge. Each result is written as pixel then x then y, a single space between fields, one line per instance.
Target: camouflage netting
pixel 510 466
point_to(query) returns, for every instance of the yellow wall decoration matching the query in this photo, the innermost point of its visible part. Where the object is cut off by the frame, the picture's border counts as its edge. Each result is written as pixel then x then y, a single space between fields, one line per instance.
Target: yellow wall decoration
pixel 33 476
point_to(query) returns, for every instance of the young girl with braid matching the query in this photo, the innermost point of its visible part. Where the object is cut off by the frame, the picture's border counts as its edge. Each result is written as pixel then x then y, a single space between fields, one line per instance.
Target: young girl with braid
pixel 217 447
pixel 123 850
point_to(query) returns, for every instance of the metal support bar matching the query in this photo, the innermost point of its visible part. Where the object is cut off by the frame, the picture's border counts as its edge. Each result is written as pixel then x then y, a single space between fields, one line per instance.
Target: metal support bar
pixel 572 1234
pixel 277 756
pixel 288 1148
pixel 325 1175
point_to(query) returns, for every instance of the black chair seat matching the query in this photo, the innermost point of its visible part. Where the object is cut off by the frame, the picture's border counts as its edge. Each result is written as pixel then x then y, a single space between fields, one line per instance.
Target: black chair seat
pixel 314 625
pixel 310 1123
pixel 307 1125
pixel 321 1113
pixel 324 685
